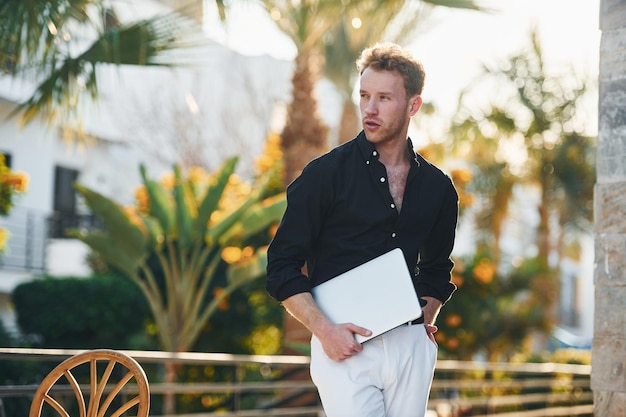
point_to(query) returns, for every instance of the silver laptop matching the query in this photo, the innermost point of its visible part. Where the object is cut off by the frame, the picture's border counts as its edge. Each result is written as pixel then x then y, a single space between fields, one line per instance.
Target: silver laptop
pixel 378 295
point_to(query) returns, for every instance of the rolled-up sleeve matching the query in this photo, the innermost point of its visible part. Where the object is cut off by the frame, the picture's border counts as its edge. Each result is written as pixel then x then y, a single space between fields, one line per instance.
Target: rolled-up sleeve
pixel 435 265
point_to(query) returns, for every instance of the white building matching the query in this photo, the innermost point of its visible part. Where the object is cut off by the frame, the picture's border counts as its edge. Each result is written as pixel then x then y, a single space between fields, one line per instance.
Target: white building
pixel 156 116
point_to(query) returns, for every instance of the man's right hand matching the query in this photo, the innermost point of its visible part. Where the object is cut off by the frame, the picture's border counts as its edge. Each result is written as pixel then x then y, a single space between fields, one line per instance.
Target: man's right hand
pixel 338 340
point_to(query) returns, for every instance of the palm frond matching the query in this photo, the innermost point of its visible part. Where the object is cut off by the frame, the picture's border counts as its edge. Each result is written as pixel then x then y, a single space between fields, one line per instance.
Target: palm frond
pixel 30 29
pixel 145 42
pixel 460 4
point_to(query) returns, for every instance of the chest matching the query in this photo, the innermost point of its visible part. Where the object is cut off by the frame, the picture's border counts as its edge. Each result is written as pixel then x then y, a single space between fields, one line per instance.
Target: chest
pixel 397 183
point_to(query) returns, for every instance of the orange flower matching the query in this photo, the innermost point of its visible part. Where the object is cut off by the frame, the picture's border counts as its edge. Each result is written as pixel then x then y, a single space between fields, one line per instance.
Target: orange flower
pixel 4 236
pixel 168 180
pixel 453 320
pixel 143 199
pixel 131 213
pixel 17 180
pixel 457 279
pixel 231 254
pixel 453 343
pixel 197 175
pixel 484 271
pixel 272 153
pixel 461 176
pixel 272 230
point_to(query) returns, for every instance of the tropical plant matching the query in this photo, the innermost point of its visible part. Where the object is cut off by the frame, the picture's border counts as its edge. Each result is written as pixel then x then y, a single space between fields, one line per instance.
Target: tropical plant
pixel 187 231
pixel 493 313
pixel 304 136
pixel 60 45
pixel 530 134
pixel 527 139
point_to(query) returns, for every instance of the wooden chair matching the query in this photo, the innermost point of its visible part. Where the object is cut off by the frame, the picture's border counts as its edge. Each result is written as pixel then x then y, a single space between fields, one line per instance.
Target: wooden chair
pixel 103 391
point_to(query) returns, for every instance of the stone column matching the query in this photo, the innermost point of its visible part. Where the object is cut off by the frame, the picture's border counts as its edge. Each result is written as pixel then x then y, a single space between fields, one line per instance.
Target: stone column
pixel 608 376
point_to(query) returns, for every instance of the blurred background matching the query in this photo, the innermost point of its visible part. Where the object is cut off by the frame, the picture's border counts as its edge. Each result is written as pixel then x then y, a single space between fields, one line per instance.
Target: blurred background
pixel 147 145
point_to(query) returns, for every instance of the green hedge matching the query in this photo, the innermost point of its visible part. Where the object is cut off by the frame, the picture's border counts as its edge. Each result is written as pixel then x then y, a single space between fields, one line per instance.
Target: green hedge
pixel 100 312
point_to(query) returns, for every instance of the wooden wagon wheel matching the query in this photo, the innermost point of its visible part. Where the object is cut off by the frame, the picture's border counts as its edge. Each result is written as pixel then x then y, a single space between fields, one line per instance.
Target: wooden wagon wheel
pixel 103 389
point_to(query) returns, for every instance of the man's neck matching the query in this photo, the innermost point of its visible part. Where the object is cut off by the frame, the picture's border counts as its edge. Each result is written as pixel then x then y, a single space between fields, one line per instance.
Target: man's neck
pixel 393 153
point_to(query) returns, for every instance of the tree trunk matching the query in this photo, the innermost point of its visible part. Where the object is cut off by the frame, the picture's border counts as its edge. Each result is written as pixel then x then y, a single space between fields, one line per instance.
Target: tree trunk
pixel 305 135
pixel 350 122
pixel 169 398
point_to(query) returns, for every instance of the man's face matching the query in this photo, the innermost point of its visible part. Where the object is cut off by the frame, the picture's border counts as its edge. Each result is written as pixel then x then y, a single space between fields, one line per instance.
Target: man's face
pixel 385 110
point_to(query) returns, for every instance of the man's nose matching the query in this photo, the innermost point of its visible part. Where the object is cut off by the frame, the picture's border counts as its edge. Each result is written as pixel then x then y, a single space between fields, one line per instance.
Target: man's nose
pixel 371 107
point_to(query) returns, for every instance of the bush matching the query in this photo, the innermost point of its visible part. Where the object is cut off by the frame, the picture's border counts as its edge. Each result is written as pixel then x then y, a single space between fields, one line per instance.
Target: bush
pixel 99 312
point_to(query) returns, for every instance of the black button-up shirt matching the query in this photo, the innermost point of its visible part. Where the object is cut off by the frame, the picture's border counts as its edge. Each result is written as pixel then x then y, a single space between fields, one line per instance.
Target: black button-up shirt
pixel 340 214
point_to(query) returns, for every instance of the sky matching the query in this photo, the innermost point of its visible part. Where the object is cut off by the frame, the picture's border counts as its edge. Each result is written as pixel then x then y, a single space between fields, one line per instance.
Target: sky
pixel 456 43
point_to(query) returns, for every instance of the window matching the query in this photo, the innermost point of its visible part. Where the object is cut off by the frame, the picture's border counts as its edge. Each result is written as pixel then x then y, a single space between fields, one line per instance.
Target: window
pixel 64 192
pixel 64 205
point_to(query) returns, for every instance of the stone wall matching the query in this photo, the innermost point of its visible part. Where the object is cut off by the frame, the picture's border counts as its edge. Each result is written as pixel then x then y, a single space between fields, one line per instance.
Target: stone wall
pixel 608 379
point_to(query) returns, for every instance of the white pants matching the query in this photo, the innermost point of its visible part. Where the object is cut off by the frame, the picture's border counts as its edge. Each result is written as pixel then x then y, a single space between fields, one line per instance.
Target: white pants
pixel 391 377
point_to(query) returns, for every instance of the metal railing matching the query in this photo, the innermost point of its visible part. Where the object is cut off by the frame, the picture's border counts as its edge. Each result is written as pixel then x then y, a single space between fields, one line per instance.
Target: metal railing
pixel 26 247
pixel 279 385
pixel 30 231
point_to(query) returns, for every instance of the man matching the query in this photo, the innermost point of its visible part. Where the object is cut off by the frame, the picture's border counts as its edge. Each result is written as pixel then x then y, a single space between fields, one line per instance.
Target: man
pixel 358 201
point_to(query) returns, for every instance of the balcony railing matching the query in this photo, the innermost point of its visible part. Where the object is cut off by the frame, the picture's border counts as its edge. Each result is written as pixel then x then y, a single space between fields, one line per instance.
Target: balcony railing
pixel 29 233
pixel 280 386
pixel 26 246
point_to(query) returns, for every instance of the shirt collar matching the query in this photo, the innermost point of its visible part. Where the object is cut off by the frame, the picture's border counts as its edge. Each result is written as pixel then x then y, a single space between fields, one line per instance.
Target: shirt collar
pixel 369 152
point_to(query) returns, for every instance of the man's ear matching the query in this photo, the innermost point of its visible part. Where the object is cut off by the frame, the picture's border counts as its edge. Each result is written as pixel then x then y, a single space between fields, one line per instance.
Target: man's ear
pixel 416 104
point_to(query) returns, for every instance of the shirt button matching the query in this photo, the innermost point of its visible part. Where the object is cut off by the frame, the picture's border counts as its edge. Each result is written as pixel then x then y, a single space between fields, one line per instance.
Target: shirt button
pixel 393 205
pixel 382 179
pixel 367 162
pixel 374 153
pixel 393 234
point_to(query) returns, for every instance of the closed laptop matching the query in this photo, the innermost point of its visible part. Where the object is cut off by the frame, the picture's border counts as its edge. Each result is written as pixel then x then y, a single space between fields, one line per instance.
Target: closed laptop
pixel 378 295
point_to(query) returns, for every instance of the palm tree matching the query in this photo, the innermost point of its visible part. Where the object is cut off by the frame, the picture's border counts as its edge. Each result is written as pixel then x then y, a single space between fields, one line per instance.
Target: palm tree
pixel 534 118
pixel 176 243
pixel 305 22
pixel 60 44
pixel 362 24
pixel 540 111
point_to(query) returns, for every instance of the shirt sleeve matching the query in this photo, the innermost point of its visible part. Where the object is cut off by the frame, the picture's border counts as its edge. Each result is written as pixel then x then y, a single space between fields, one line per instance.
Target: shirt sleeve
pixel 292 245
pixel 435 265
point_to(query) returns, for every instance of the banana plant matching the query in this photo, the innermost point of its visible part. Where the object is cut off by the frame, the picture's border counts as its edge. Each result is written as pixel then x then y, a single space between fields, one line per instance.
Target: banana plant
pixel 179 233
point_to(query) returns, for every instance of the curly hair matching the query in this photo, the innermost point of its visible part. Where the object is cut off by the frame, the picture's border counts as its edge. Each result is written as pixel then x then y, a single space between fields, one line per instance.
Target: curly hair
pixel 391 57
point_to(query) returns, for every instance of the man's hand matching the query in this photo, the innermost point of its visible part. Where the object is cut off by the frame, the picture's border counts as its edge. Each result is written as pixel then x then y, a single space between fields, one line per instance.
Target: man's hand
pixel 338 340
pixel 430 331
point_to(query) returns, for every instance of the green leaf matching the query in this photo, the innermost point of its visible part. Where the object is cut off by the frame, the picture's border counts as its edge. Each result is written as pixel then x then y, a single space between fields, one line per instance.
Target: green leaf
pixel 212 198
pixel 183 214
pixel 110 250
pixel 127 235
pixel 161 206
pixel 255 219
pixel 239 274
pixel 155 232
pixel 259 190
pixel 142 42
